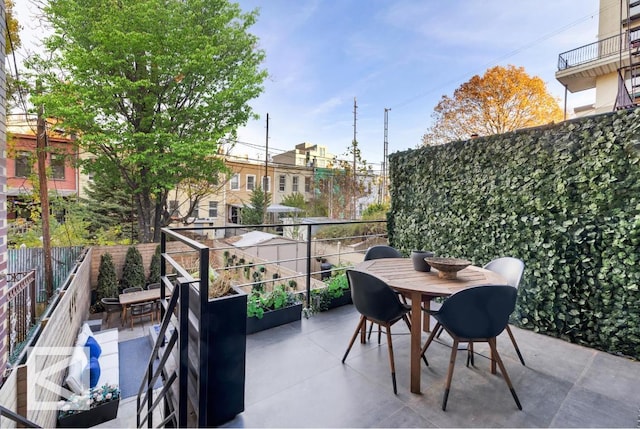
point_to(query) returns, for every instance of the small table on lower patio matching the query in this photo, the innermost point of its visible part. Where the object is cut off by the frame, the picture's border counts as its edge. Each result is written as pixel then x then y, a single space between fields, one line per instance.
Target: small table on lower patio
pixel 421 287
pixel 126 299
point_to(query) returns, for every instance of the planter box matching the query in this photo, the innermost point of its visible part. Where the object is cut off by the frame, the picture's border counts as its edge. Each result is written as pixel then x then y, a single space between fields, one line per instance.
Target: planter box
pixel 223 356
pixel 341 300
pixel 94 416
pixel 274 318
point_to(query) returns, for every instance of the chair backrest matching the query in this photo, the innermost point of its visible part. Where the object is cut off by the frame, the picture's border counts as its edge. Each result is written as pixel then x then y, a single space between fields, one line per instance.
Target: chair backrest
pixel 153 286
pixel 478 312
pixel 142 308
pixel 509 268
pixel 111 303
pixel 373 298
pixel 380 252
pixel 132 289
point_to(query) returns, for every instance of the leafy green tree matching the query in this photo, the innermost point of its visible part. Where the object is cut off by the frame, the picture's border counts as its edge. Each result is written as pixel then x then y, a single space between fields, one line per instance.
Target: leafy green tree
pixel 150 87
pixel 107 281
pixel 254 212
pixel 133 270
pixel 295 199
pixel 376 211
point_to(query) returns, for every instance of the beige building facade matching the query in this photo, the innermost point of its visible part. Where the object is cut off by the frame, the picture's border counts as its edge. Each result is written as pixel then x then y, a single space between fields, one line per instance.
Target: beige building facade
pixel 611 65
pixel 306 155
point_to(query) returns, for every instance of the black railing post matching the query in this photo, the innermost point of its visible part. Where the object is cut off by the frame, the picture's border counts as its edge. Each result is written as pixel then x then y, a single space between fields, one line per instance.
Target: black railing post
pixel 32 292
pixel 203 377
pixel 308 266
pixel 183 344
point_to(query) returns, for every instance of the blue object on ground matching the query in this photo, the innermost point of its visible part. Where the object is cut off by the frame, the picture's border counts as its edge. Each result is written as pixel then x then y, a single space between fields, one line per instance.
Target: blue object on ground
pixel 134 357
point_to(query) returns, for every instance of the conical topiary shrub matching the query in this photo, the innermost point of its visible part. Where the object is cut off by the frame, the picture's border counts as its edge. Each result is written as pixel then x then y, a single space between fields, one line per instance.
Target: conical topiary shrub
pixel 154 267
pixel 107 279
pixel 133 270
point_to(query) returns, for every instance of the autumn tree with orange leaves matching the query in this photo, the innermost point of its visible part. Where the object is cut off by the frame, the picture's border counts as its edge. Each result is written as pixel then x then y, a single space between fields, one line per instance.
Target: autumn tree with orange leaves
pixel 503 99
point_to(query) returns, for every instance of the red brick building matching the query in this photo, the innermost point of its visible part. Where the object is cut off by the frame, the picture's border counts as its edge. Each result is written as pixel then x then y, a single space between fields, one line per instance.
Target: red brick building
pixel 22 167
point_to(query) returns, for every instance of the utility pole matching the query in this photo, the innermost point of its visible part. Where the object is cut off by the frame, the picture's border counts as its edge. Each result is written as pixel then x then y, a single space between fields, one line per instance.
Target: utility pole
pixel 41 152
pixel 383 190
pixel 355 151
pixel 265 179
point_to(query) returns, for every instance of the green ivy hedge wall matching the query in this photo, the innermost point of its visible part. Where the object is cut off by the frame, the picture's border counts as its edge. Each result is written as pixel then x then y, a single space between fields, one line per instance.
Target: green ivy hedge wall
pixel 563 198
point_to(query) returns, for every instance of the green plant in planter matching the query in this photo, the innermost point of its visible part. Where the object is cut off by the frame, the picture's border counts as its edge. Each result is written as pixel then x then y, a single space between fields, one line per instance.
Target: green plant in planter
pixel 336 287
pixel 259 301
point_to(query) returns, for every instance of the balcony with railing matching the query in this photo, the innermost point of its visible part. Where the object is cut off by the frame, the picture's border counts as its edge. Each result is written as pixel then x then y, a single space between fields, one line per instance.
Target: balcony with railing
pixel 293 373
pixel 578 68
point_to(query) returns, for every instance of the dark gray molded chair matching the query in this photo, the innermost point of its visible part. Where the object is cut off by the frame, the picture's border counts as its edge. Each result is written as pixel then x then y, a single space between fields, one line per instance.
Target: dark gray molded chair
pixel 132 289
pixel 153 286
pixel 380 252
pixel 376 301
pixel 477 314
pixel 111 305
pixel 511 269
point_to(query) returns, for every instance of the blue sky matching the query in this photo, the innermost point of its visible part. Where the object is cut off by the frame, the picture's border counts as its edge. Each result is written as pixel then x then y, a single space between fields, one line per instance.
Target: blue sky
pixel 397 54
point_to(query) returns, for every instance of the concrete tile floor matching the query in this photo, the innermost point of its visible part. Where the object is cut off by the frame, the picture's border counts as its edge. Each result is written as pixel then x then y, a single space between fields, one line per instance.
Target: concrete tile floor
pixel 295 378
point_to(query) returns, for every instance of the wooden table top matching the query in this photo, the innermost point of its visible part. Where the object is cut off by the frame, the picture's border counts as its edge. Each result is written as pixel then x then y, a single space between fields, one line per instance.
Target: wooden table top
pixel 140 296
pixel 400 275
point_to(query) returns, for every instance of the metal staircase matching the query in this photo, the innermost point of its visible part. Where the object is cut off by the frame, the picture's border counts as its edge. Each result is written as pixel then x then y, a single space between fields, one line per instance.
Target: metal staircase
pixel 629 75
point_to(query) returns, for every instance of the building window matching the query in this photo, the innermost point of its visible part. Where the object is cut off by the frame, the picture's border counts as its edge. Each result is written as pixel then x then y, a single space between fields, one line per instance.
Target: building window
pixel 294 184
pixel 307 184
pixel 251 182
pixel 23 164
pixel 283 181
pixel 266 183
pixel 234 183
pixel 57 167
pixel 213 209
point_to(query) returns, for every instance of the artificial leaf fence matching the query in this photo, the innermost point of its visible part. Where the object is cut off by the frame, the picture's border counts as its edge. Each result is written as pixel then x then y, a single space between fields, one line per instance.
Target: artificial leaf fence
pixel 564 198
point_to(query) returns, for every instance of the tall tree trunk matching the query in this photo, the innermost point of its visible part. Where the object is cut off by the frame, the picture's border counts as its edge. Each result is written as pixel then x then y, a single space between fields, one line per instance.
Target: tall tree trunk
pixel 144 218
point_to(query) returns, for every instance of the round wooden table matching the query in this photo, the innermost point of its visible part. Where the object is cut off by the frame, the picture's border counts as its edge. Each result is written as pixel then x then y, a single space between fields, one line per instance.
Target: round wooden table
pixel 422 287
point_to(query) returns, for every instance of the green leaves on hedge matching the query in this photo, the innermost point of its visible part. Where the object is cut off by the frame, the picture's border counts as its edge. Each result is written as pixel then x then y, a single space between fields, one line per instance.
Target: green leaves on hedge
pixel 564 198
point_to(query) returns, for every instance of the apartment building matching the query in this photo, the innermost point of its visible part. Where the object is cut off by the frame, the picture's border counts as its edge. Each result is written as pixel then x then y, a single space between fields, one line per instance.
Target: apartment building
pixel 308 155
pixel 222 207
pixel 611 65
pixel 22 166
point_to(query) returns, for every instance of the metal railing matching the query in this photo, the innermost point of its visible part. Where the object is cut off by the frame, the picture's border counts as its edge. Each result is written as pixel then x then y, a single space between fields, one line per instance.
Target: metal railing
pixel 604 48
pixel 16 418
pixel 298 256
pixel 21 300
pixel 183 344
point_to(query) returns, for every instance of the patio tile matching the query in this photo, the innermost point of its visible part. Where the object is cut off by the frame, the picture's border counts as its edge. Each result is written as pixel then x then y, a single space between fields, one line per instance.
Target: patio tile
pixel 588 409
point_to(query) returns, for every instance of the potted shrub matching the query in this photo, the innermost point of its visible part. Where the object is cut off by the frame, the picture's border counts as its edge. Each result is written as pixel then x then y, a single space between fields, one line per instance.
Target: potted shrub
pixel 268 309
pixel 133 270
pixel 154 267
pixel 107 286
